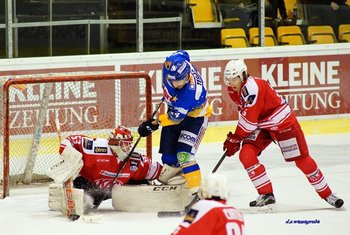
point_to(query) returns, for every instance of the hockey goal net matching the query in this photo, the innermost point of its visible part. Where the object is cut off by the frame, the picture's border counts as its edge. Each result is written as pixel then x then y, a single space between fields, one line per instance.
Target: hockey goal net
pixel 39 110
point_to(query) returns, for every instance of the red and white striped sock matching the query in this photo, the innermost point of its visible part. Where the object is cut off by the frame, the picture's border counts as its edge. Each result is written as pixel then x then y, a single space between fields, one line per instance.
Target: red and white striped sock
pixel 319 183
pixel 259 178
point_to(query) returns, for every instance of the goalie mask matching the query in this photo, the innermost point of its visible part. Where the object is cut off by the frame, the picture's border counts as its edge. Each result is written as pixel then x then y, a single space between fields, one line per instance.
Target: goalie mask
pixel 120 141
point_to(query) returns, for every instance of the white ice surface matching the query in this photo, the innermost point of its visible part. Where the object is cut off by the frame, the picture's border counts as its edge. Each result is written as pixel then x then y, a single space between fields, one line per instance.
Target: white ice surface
pixel 26 212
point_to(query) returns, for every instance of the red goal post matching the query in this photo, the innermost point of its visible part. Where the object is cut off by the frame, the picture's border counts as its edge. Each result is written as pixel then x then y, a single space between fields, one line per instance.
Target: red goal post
pixel 37 109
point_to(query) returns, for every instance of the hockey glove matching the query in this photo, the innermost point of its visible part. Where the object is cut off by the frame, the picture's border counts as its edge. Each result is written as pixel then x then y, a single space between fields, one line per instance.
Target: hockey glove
pixel 146 128
pixel 136 157
pixel 232 144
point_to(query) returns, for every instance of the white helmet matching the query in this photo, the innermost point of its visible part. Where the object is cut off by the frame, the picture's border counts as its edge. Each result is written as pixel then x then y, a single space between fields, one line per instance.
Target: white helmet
pixel 120 141
pixel 233 69
pixel 214 185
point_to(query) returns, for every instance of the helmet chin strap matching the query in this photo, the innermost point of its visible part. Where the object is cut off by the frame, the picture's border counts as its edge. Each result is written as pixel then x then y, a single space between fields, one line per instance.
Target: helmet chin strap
pixel 244 76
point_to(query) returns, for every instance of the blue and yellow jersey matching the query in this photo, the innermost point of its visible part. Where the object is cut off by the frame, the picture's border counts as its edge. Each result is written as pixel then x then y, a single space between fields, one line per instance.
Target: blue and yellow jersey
pixel 190 101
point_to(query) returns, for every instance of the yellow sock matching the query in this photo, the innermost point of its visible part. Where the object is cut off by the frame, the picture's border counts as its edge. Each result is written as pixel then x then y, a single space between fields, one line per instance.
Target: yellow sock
pixel 192 175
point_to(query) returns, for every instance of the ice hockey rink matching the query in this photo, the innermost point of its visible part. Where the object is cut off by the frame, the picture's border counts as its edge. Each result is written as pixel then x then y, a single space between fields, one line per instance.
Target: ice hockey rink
pixel 26 210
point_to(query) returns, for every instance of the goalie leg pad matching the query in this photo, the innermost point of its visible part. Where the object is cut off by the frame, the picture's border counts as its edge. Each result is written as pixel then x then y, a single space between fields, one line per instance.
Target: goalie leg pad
pixel 57 200
pixel 55 197
pixel 69 166
pixel 146 198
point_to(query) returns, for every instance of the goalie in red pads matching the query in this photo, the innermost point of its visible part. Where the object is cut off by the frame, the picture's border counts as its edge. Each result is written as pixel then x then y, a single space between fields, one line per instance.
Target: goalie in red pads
pixel 100 160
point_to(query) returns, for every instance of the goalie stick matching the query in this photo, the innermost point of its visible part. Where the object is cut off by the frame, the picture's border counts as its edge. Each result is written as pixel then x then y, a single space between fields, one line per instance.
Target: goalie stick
pixel 127 157
pixel 163 214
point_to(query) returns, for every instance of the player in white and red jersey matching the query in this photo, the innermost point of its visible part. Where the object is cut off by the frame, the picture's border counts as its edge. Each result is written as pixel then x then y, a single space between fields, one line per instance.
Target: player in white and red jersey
pixel 266 117
pixel 211 215
pixel 103 159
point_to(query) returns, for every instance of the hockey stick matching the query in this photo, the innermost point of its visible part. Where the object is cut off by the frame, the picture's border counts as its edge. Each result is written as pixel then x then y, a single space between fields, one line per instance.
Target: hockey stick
pixel 127 157
pixel 162 214
pixel 39 126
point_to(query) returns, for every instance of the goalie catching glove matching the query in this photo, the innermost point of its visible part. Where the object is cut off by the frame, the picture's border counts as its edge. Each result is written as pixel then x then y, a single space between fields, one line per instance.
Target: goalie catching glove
pixel 232 144
pixel 146 128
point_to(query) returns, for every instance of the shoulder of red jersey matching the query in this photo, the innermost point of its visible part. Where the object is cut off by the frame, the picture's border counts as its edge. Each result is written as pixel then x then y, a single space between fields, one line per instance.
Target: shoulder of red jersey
pixel 250 90
pixel 96 146
pixel 201 209
pixel 75 137
pixel 74 140
pixel 207 216
pixel 88 144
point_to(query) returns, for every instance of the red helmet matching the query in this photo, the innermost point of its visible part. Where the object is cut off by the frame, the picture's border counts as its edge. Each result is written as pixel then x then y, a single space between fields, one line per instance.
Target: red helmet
pixel 120 141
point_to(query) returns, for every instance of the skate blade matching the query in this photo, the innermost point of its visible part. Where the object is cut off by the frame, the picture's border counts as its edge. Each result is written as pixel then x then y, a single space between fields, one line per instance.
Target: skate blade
pixel 271 208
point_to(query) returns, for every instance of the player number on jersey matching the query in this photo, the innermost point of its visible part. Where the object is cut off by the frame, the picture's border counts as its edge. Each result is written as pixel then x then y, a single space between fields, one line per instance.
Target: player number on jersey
pixel 233 229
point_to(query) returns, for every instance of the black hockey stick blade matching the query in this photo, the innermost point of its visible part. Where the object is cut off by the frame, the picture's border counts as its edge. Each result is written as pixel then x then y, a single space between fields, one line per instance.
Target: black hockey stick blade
pixel 163 214
pixel 73 217
pixel 166 214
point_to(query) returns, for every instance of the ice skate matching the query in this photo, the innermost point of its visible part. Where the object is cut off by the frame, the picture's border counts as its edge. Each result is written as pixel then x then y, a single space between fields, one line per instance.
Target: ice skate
pixel 334 201
pixel 265 203
pixel 263 200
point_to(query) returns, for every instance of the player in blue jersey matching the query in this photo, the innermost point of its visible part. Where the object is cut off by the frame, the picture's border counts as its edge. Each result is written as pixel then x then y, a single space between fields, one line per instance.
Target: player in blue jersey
pixel 185 122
